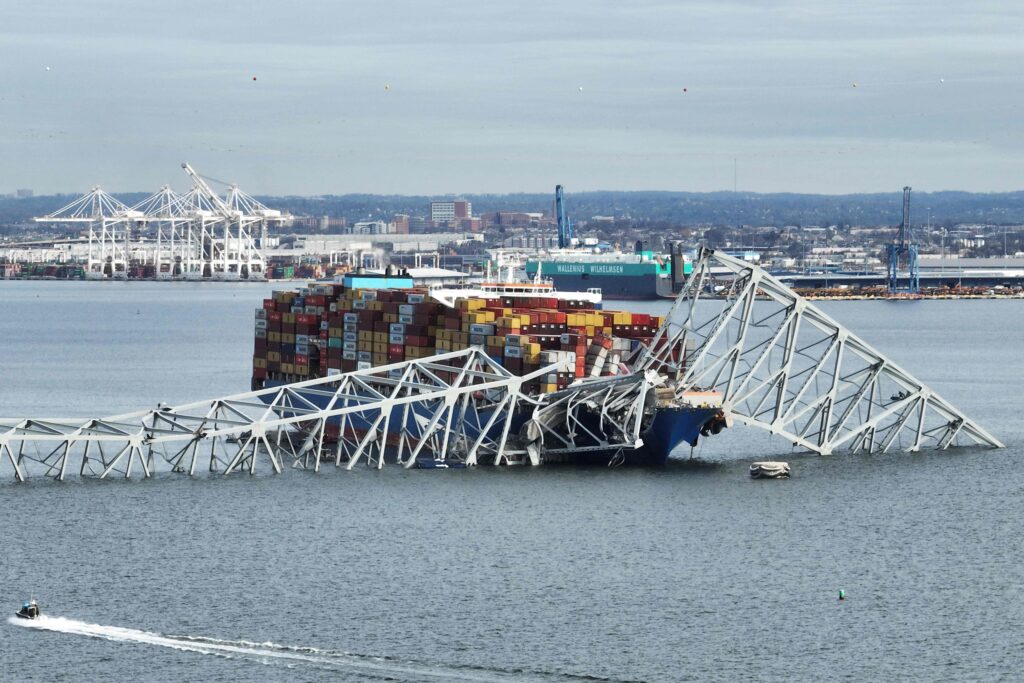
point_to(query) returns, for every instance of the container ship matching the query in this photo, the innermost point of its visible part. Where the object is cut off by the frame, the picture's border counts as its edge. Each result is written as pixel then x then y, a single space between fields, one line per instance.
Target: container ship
pixel 368 321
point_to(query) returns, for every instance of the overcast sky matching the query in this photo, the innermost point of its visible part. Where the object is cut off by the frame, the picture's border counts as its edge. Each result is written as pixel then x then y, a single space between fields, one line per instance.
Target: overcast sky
pixel 472 96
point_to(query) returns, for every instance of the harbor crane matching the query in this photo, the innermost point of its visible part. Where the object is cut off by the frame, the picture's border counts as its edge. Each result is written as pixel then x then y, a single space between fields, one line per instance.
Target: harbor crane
pixel 565 233
pixel 903 249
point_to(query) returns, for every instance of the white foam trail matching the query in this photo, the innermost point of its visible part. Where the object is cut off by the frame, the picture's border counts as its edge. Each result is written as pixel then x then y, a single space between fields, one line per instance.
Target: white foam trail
pixel 264 651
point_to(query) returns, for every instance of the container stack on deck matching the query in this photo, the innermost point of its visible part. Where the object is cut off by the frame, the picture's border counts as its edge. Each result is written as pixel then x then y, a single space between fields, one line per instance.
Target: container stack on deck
pixel 327 329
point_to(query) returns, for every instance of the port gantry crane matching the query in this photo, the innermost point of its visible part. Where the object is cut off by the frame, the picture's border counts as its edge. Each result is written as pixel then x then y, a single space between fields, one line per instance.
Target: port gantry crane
pixel 565 233
pixel 903 249
pixel 236 256
pixel 186 237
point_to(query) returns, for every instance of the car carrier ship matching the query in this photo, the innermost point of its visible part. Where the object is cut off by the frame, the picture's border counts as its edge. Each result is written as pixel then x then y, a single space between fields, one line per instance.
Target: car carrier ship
pixel 640 274
pixel 369 321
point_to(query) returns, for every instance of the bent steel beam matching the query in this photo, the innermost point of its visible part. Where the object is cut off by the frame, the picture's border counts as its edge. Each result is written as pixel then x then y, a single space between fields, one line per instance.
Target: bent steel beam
pixel 458 407
pixel 785 366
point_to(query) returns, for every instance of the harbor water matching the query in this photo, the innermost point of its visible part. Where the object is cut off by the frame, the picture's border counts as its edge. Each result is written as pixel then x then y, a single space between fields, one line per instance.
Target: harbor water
pixel 691 571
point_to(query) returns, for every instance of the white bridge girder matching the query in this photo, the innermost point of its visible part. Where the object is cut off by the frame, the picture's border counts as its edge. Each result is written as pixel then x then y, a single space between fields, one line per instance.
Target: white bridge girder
pixel 456 408
pixel 785 366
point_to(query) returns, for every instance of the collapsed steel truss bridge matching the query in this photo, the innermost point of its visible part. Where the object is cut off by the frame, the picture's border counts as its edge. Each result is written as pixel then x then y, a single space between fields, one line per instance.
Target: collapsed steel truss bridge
pixel 785 366
pixel 779 363
pixel 458 408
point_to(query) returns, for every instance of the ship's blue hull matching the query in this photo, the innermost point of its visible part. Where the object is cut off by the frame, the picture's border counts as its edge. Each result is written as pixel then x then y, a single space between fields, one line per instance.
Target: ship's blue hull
pixel 669 429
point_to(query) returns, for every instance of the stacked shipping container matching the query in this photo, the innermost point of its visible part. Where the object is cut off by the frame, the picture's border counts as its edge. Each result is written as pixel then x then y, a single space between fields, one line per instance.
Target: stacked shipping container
pixel 328 329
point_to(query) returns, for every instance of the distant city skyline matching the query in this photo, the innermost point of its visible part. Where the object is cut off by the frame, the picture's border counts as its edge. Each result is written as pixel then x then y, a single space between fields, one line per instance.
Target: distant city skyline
pixel 462 98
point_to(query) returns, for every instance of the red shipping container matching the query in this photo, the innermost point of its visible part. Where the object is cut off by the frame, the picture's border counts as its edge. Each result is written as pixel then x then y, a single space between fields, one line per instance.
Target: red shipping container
pixel 259 373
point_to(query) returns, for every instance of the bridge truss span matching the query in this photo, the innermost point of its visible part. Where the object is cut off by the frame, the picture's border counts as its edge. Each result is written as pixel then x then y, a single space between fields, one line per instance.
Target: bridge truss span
pixel 785 366
pixel 454 409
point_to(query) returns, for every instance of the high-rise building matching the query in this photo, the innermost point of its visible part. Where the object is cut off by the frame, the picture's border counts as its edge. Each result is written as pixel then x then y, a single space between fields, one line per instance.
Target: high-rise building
pixel 442 212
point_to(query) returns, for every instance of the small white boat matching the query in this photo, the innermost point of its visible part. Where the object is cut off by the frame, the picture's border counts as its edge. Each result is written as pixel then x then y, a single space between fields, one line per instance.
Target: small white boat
pixel 769 470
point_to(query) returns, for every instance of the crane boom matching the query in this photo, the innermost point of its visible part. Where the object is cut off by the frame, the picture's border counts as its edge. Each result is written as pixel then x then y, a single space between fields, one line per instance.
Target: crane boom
pixel 214 198
pixel 565 235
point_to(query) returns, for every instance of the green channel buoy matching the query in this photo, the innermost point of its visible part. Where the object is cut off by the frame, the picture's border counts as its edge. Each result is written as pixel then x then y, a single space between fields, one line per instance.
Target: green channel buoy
pixel 842 594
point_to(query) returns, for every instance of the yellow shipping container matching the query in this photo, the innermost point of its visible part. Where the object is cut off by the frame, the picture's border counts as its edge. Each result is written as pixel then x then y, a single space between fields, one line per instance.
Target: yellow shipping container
pixel 274 337
pixel 380 337
pixel 365 335
pixel 259 362
pixel 380 359
pixel 288 318
pixel 391 317
pixel 287 338
pixel 274 356
pixel 469 304
pixel 288 368
pixel 380 347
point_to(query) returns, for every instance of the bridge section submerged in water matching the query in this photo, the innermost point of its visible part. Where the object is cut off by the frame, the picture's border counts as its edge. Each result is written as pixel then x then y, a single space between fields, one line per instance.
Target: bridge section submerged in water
pixel 777 361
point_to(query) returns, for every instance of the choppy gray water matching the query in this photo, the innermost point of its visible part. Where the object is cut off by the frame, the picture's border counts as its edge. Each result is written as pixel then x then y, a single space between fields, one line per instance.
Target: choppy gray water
pixel 691 571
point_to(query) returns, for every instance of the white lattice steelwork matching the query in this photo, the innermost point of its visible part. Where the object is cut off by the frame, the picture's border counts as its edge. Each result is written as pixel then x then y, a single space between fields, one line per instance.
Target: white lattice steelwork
pixel 109 223
pixel 785 366
pixel 197 235
pixel 457 408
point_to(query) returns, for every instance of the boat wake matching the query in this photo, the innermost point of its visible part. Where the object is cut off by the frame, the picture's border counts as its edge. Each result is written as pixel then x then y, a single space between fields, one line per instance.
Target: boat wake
pixel 292 656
